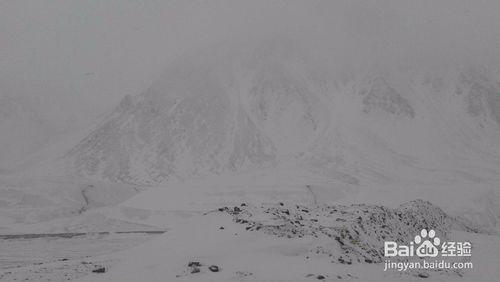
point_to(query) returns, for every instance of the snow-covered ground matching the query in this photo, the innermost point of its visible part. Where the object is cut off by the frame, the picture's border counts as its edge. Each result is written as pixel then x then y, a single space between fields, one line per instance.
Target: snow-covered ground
pixel 271 253
pixel 60 258
pixel 268 225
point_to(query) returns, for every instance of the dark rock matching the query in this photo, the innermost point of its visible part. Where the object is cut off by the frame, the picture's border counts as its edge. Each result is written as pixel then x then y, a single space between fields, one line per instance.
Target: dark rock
pixel 368 261
pixel 194 264
pixel 423 275
pixel 222 227
pixel 320 277
pixel 214 268
pixel 339 240
pixel 243 273
pixel 99 270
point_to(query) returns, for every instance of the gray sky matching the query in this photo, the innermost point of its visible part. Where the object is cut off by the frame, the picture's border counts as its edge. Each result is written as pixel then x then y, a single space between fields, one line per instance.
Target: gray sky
pixel 78 58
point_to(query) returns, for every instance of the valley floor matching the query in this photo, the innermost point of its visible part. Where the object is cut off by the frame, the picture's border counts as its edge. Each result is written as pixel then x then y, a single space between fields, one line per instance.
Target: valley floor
pixel 60 258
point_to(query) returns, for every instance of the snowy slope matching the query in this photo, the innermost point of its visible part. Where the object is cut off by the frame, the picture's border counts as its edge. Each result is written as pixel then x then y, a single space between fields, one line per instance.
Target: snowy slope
pixel 274 105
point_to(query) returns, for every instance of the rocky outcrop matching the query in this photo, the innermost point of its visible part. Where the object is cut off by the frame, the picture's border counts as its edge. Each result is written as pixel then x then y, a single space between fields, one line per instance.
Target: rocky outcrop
pixel 348 234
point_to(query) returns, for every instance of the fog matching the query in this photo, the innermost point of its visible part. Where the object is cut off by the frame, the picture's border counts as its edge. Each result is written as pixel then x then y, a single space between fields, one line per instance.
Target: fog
pixel 74 60
pixel 276 140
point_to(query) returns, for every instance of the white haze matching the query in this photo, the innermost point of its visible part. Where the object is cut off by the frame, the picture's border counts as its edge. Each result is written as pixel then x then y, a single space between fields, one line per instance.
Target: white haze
pixel 72 61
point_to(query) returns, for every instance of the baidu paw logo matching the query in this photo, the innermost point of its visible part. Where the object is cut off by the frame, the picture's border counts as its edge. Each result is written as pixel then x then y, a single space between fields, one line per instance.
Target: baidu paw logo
pixel 428 241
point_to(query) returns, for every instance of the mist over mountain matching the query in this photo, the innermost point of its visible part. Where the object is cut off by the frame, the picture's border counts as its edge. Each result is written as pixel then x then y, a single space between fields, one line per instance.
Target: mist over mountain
pixel 23 129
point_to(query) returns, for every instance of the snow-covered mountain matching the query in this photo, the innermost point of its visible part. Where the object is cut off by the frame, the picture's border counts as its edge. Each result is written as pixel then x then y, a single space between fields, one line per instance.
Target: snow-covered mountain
pixel 274 105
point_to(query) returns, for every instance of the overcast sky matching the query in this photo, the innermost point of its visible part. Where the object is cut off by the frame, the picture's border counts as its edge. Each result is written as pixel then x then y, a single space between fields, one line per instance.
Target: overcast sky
pixel 78 58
